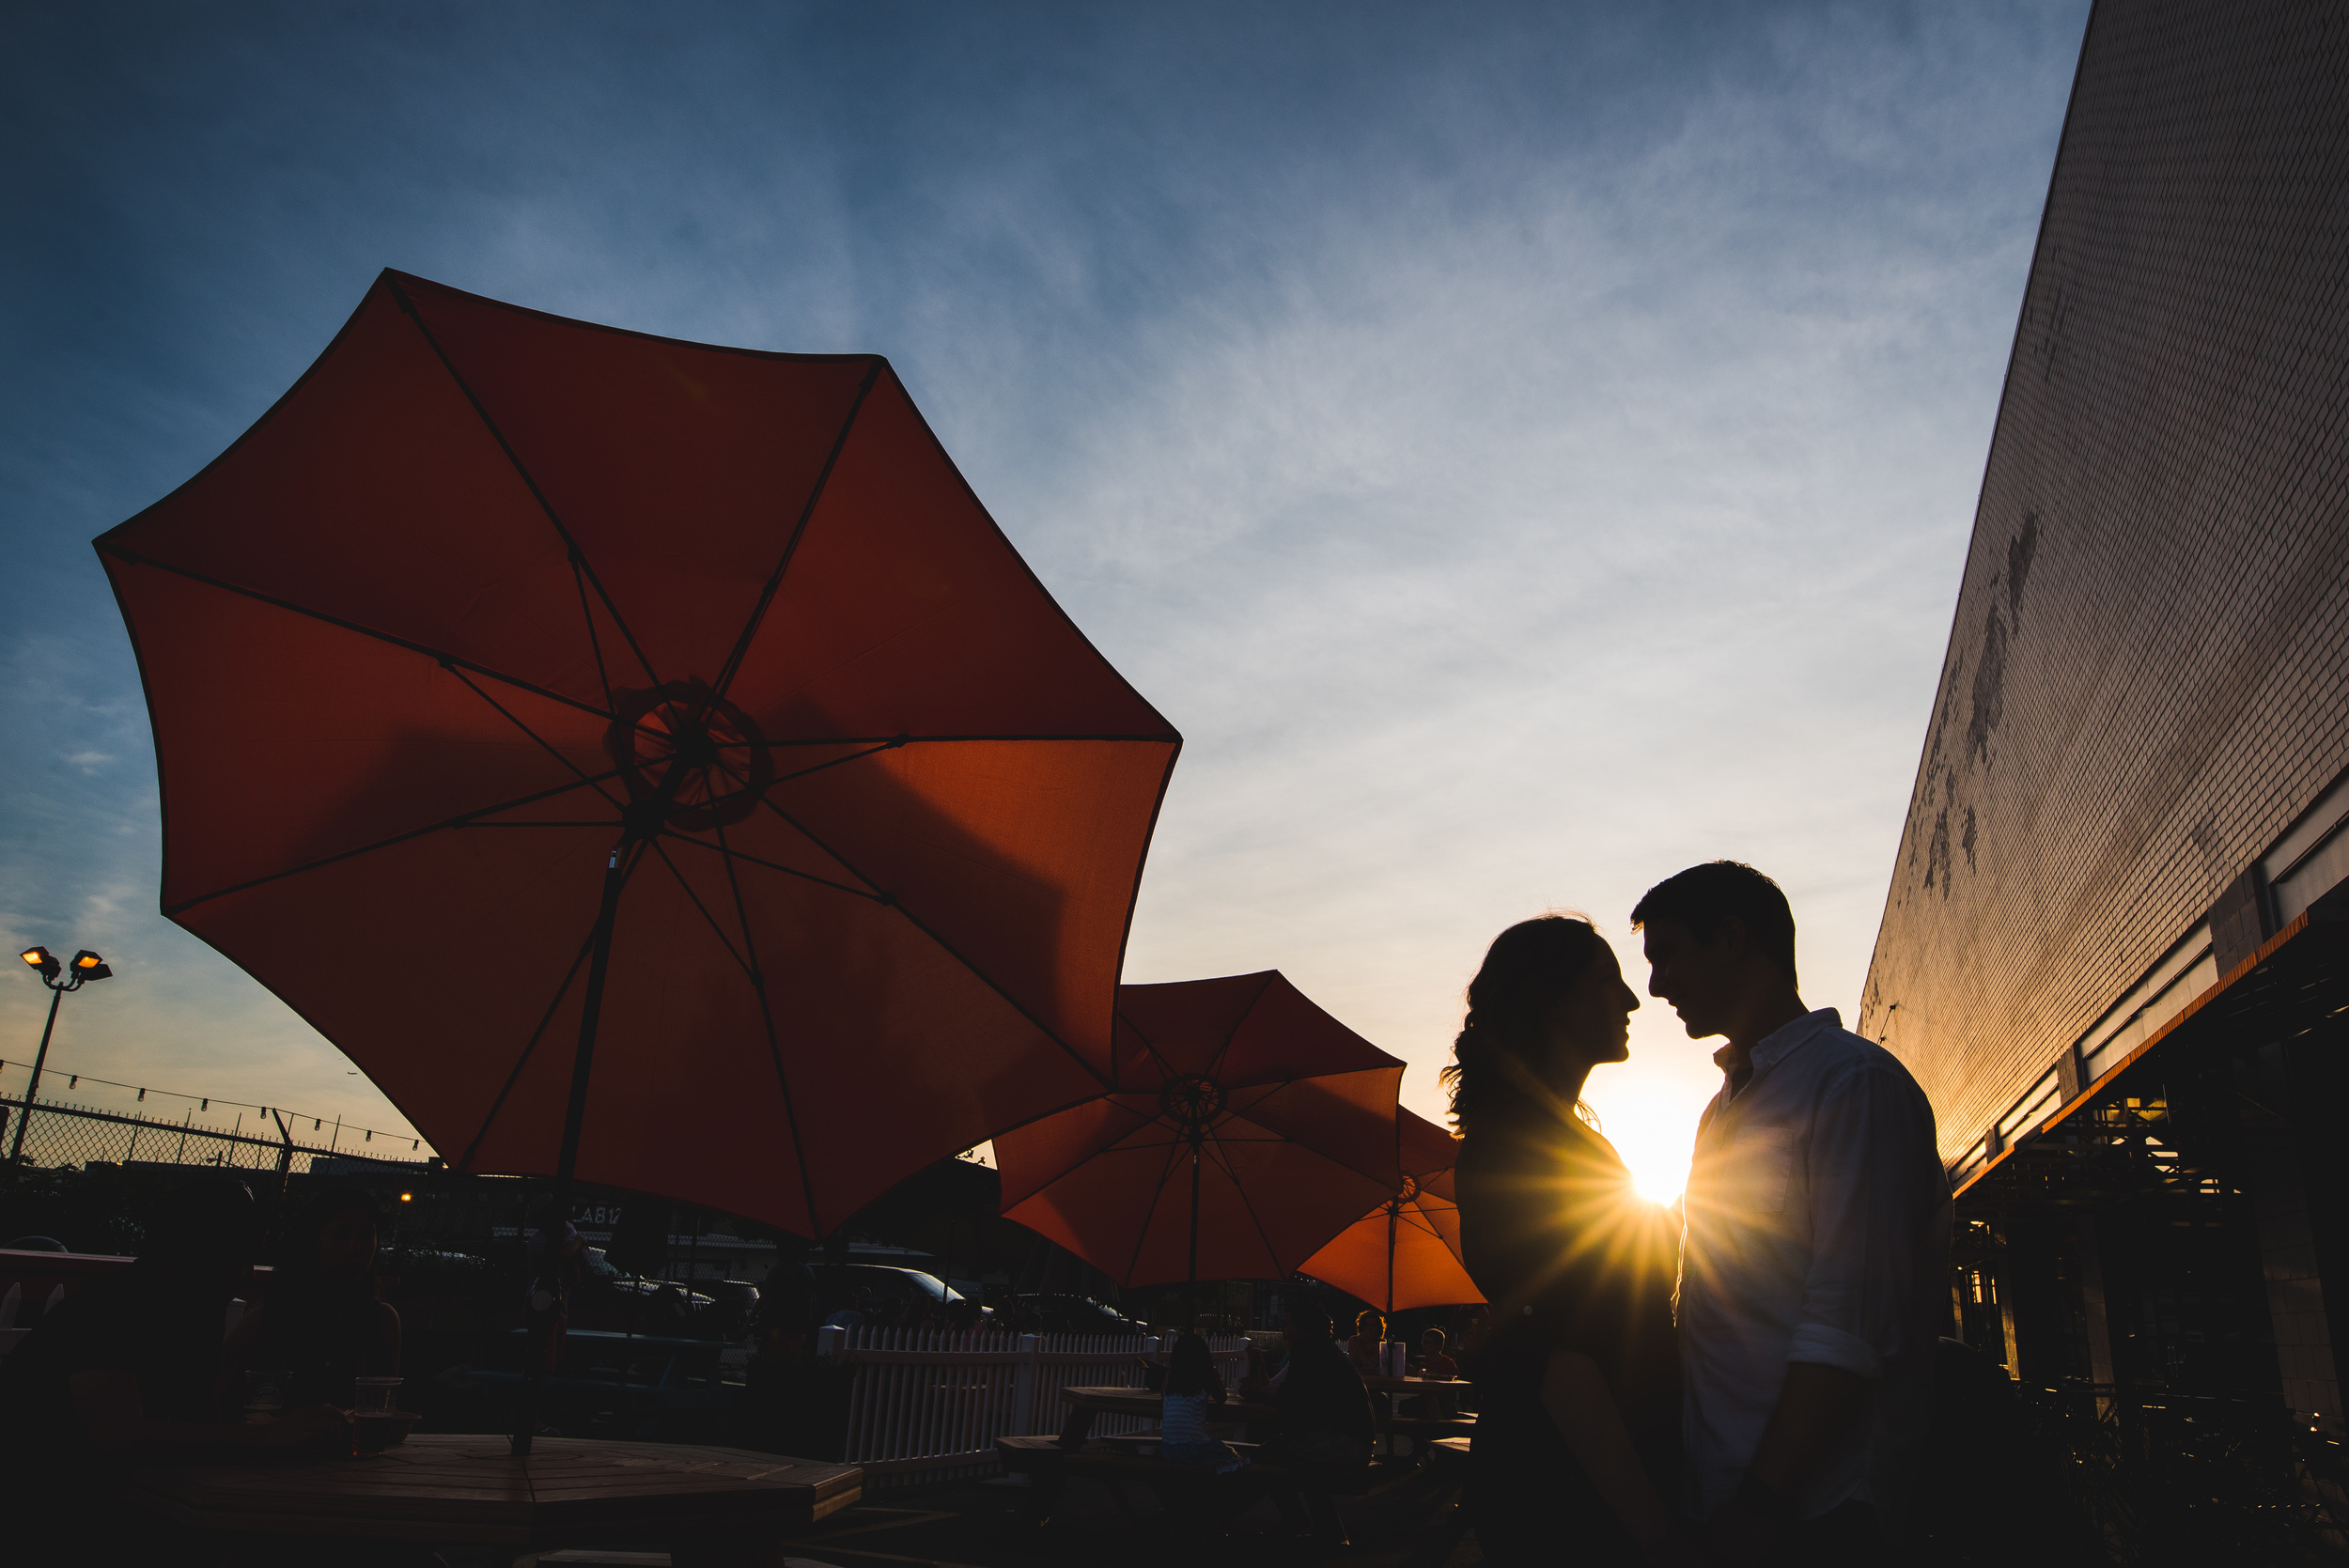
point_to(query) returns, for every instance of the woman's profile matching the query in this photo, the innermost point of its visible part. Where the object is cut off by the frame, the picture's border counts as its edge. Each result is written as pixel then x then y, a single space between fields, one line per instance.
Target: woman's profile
pixel 1577 1377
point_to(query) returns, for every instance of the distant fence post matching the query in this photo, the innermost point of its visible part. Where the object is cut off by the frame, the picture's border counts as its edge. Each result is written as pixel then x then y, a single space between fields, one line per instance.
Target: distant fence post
pixel 1023 1386
pixel 829 1340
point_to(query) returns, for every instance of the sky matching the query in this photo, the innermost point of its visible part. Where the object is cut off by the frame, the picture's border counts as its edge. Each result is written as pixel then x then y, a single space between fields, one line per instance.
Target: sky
pixel 1525 449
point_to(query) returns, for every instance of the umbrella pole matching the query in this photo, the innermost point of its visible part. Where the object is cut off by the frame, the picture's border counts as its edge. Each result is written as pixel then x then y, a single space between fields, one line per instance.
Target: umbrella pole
pixel 1190 1290
pixel 1391 1208
pixel 548 1286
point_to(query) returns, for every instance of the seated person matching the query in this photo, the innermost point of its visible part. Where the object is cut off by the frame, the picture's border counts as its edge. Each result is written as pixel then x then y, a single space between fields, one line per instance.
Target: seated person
pixel 1322 1426
pixel 1362 1350
pixel 857 1314
pixel 130 1362
pixel 1433 1362
pixel 1192 1383
pixel 322 1323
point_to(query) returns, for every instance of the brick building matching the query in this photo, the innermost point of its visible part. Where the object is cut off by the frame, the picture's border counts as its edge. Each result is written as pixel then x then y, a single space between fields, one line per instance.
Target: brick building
pixel 2113 947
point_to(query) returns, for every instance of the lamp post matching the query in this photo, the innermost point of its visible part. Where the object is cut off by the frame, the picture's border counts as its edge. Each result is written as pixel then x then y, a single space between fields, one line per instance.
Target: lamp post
pixel 86 967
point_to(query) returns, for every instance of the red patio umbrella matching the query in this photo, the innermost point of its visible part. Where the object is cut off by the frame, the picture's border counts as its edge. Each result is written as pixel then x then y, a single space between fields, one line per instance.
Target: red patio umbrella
pixel 531 694
pixel 1405 1251
pixel 1247 1126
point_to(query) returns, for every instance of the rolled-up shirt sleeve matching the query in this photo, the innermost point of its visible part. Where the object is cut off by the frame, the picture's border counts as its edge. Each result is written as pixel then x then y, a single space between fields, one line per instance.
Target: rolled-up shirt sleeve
pixel 1855 1311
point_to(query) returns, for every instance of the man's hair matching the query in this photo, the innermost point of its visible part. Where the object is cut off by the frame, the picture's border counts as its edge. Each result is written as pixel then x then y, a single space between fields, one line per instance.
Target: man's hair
pixel 1307 1311
pixel 1703 895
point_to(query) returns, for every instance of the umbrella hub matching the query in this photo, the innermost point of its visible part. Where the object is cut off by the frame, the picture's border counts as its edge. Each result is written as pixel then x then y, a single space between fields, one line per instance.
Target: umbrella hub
pixel 1192 1103
pixel 691 759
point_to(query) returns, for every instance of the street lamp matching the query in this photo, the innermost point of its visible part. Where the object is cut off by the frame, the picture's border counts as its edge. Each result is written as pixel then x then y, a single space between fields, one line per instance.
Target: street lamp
pixel 87 966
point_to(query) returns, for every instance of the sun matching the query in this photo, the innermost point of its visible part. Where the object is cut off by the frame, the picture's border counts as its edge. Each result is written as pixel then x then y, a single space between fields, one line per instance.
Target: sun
pixel 1653 1137
pixel 1658 1187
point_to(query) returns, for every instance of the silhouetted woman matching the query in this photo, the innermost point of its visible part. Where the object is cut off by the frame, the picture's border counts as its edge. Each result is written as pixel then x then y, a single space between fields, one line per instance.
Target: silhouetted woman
pixel 322 1321
pixel 1577 1377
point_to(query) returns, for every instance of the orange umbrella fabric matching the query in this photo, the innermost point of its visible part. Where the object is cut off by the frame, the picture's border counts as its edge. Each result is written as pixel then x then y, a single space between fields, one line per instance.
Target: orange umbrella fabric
pixel 1405 1251
pixel 1246 1128
pixel 497 620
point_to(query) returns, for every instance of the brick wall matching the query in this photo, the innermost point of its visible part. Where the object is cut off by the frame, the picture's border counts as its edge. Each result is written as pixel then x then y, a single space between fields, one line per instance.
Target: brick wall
pixel 2148 674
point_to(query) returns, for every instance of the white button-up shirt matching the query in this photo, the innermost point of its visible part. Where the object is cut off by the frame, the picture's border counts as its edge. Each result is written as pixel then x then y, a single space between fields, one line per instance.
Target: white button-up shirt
pixel 1817 1230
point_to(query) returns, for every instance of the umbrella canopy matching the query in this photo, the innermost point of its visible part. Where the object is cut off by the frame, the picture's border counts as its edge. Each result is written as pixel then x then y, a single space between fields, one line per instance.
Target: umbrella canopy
pixel 1246 1128
pixel 1406 1252
pixel 522 686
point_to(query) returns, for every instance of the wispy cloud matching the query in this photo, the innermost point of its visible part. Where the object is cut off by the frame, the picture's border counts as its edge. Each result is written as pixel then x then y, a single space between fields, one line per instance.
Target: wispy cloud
pixel 1526 450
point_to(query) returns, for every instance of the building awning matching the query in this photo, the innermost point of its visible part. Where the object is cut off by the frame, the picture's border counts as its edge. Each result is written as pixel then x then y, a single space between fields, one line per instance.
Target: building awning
pixel 2109 1141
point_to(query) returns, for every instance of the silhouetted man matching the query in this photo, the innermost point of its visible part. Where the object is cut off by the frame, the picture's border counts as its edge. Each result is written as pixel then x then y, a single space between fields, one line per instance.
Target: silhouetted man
pixel 1815 1246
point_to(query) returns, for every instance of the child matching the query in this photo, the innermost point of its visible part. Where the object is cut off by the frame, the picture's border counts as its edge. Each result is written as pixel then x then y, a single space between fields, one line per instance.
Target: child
pixel 1191 1386
pixel 1433 1362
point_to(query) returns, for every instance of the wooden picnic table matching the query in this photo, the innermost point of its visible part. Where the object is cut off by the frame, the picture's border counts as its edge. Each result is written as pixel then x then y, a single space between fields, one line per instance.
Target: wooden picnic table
pixel 1419 1385
pixel 1084 1404
pixel 1089 1403
pixel 714 1505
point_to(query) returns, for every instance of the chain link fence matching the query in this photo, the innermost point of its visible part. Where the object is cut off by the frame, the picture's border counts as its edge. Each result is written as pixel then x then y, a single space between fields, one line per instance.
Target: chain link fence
pixel 60 1135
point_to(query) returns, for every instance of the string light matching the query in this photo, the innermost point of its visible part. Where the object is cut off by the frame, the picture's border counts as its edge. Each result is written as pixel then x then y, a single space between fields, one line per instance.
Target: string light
pixel 204 1103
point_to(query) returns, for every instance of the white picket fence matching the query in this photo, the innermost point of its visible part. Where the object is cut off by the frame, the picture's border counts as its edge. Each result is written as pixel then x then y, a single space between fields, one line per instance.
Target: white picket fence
pixel 927 1404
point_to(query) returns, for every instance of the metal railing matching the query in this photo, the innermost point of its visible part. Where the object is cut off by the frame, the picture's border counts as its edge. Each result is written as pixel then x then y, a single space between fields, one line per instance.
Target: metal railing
pixel 61 1133
pixel 929 1404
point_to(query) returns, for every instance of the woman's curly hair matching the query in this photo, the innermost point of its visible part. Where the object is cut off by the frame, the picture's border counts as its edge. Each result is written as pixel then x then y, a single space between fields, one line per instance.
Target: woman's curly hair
pixel 1528 968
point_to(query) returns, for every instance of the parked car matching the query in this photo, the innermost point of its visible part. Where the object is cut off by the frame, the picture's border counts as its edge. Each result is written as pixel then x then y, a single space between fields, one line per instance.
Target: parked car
pixel 1076 1314
pixel 836 1285
pixel 609 1299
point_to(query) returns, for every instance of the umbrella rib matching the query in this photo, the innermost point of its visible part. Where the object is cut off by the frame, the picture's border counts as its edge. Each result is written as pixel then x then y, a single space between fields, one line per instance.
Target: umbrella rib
pixel 461 820
pixel 1215 1070
pixel 530 1045
pixel 1165 1067
pixel 944 946
pixel 799 530
pixel 853 757
pixel 775 1043
pixel 715 929
pixel 543 744
pixel 1240 1189
pixel 1141 1236
pixel 439 656
pixel 771 866
pixel 578 557
pixel 595 643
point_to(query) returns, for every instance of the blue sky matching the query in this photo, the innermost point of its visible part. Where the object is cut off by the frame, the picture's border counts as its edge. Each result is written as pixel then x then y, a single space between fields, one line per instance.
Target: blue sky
pixel 1525 449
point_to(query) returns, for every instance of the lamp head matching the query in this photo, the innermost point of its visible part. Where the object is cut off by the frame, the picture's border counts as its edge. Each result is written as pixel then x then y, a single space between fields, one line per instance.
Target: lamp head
pixel 43 960
pixel 90 965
